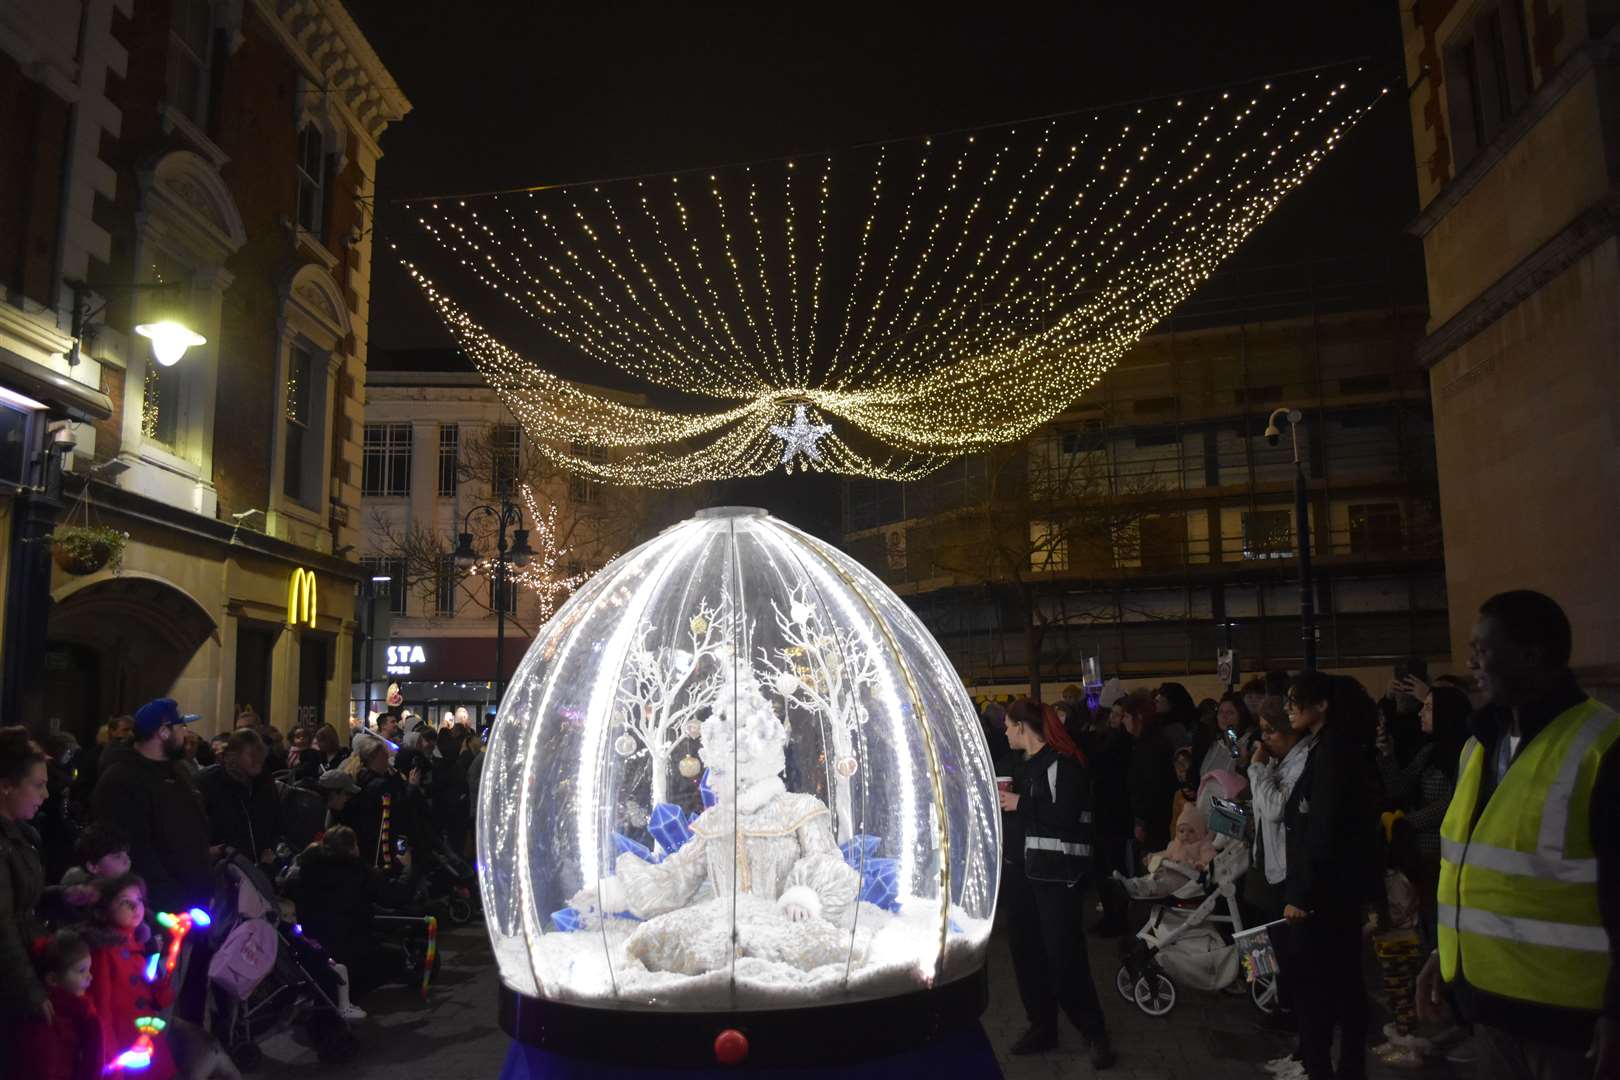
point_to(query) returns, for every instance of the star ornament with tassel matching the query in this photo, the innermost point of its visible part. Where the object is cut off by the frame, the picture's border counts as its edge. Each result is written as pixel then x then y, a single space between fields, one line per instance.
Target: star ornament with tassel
pixel 799 440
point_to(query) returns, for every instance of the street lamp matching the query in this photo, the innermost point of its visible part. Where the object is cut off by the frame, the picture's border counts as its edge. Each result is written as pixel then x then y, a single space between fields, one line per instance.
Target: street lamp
pixel 517 554
pixel 1302 524
pixel 170 338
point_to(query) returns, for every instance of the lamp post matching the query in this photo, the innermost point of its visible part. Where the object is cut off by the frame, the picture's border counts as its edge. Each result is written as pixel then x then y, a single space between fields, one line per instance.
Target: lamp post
pixel 517 554
pixel 1302 525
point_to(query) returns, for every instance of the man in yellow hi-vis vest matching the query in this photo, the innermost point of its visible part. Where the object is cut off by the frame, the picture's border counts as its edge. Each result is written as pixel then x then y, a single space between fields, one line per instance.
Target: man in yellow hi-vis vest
pixel 1529 894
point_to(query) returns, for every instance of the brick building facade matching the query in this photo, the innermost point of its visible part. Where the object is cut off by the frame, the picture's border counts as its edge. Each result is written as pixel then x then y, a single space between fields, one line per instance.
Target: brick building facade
pixel 216 169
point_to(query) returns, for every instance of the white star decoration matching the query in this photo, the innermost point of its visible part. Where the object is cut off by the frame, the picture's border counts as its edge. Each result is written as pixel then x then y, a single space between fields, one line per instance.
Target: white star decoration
pixel 799 438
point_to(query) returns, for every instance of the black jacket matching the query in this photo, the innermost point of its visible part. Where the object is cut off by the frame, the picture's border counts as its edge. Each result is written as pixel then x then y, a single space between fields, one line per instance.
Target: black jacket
pixel 245 816
pixel 1110 795
pixel 1152 784
pixel 157 806
pixel 1054 804
pixel 335 899
pixel 1545 1023
pixel 22 880
pixel 1335 853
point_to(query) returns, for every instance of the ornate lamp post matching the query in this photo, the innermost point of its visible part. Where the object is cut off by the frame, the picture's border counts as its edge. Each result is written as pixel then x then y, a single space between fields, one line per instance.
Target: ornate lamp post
pixel 518 553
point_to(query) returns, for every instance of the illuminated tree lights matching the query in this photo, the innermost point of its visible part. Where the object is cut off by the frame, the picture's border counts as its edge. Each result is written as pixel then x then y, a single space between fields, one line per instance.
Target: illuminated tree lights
pixel 936 296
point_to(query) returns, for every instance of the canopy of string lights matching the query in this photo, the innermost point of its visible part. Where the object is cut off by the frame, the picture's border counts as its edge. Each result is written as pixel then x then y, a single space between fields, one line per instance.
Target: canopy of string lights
pixel 873 311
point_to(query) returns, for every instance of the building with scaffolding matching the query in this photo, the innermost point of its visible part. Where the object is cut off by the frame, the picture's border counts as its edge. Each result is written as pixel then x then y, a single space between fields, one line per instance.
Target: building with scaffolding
pixel 1152 524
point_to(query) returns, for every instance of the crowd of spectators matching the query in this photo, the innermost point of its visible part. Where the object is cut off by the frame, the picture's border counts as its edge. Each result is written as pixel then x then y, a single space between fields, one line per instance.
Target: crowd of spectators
pixel 95 843
pixel 1355 807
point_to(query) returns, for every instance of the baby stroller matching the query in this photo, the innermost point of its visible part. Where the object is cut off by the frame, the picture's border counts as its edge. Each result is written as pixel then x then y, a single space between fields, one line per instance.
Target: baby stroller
pixel 1187 938
pixel 261 977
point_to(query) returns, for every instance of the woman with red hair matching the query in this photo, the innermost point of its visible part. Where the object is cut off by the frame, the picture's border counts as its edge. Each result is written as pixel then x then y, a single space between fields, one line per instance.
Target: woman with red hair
pixel 1044 889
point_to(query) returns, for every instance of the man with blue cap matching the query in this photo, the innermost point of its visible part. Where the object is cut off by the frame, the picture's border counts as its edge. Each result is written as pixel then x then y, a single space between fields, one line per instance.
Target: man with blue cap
pixel 149 795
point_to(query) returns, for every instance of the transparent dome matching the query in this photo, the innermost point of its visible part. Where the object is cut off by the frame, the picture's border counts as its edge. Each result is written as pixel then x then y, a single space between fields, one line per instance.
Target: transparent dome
pixel 735 772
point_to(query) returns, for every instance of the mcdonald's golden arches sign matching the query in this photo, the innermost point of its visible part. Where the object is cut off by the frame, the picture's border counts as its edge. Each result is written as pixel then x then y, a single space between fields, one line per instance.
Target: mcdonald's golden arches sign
pixel 301 603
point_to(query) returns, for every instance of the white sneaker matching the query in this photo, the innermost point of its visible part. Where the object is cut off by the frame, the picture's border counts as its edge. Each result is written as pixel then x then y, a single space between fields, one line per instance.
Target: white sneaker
pixel 1283 1065
pixel 1296 1072
pixel 350 1011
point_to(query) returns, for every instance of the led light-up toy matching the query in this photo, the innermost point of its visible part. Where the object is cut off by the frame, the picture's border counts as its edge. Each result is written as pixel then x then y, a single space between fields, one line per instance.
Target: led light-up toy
pixel 139 1056
pixel 178 927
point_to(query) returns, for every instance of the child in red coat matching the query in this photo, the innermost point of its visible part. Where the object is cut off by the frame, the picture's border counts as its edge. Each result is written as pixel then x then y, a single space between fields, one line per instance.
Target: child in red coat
pixel 67 1046
pixel 118 961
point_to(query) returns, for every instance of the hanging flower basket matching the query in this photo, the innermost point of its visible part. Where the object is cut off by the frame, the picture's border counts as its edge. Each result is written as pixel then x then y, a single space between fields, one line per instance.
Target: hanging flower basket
pixel 85 549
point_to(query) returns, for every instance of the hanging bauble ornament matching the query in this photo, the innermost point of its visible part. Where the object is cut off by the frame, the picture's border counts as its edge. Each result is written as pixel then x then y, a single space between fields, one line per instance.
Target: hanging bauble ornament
pixel 690 767
pixel 625 745
pixel 693 729
pixel 845 767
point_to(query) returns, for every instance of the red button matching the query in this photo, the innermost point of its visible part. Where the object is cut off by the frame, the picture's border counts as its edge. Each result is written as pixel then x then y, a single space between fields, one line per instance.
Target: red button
pixel 731 1047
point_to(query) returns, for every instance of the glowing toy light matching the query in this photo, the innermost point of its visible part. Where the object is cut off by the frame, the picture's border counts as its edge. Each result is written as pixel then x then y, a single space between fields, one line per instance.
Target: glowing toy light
pixel 178 926
pixel 138 1057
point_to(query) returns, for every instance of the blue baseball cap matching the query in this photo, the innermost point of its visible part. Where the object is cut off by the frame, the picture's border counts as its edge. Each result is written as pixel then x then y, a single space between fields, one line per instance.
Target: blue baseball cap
pixel 153 715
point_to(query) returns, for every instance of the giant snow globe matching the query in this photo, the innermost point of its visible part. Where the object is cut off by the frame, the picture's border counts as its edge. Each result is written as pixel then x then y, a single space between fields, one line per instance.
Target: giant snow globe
pixel 735 786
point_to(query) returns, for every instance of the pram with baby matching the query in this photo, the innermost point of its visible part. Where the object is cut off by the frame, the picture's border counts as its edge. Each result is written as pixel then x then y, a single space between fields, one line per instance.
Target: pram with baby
pixel 1187 938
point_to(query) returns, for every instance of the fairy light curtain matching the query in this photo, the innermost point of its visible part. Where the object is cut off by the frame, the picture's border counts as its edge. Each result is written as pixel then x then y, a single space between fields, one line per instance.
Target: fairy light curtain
pixel 875 311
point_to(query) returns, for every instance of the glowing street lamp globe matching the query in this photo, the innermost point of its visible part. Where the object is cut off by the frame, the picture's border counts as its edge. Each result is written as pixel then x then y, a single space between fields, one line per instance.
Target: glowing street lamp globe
pixel 734 774
pixel 170 340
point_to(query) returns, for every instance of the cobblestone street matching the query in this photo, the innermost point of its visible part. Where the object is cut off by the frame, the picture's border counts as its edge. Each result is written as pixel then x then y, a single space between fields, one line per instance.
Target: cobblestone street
pixel 455 1035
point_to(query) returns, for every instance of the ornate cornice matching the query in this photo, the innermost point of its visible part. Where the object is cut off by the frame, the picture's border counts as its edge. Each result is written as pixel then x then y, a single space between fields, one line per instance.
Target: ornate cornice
pixel 336 57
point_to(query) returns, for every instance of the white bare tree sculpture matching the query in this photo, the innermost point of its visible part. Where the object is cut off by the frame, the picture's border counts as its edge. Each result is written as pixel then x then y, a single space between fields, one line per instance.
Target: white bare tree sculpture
pixel 664 686
pixel 825 670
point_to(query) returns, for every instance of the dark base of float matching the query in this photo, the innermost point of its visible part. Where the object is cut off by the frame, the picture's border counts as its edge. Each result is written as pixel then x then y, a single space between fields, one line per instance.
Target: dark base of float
pixel 923 1035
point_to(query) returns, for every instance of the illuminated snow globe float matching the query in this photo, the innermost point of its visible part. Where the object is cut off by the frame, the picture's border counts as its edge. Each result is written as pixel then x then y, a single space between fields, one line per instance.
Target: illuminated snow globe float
pixel 737 808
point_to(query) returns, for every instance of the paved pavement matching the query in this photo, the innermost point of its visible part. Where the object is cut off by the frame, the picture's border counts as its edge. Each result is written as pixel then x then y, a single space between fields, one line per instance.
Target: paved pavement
pixel 454 1034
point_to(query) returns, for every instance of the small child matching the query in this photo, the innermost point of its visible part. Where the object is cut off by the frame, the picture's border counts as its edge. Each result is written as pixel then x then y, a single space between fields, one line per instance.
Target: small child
pixel 1397 946
pixel 102 851
pixel 67 1046
pixel 120 990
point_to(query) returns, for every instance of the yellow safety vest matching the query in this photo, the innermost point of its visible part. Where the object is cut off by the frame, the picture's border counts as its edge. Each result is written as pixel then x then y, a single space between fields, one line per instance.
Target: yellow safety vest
pixel 1518 890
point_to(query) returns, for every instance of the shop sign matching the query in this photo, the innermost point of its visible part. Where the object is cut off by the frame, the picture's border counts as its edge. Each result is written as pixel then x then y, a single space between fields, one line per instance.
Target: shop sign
pixel 401 657
pixel 301 605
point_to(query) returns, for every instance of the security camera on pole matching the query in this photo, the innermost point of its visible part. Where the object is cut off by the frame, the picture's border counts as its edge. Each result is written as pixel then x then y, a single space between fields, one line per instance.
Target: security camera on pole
pixel 1302 525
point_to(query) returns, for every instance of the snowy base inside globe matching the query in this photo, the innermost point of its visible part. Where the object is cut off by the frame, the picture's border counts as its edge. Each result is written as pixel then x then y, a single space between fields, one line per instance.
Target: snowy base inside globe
pixel 697 962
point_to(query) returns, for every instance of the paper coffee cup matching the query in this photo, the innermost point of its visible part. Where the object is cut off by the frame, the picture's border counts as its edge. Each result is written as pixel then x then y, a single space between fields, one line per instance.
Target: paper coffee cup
pixel 1003 783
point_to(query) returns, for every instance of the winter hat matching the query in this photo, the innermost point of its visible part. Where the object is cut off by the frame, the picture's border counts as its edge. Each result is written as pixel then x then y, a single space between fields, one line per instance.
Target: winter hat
pixel 153 715
pixel 1110 693
pixel 338 780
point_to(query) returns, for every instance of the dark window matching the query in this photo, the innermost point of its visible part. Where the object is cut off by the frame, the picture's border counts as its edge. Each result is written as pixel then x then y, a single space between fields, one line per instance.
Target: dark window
pixel 296 474
pixel 1367 418
pixel 586 490
pixel 1164 541
pixel 393 569
pixel 1256 395
pixel 311 182
pixel 873 503
pixel 1375 527
pixel 386 458
pixel 504 443
pixel 1161 437
pixel 190 28
pixel 1086 439
pixel 1268 534
pixel 449 455
pixel 444 586
pixel 1487 78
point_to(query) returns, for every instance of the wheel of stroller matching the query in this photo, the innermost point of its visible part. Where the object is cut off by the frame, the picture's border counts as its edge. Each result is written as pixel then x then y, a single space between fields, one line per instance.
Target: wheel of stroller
pixel 1263 992
pixel 1155 993
pixel 1125 983
pixel 460 910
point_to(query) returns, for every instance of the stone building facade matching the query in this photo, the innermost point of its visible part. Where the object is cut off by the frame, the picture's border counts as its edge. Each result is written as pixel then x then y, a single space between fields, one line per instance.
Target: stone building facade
pixel 1515 112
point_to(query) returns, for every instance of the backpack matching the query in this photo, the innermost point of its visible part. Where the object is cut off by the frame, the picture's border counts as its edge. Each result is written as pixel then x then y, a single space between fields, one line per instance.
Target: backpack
pixel 244 958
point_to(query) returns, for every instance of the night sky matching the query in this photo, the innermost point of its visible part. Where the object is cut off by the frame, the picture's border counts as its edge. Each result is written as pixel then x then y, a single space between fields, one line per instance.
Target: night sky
pixel 519 93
